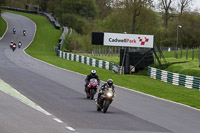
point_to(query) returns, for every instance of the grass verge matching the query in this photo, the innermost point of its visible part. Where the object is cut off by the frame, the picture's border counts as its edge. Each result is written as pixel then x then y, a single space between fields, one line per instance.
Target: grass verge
pixel 42 49
pixel 3 26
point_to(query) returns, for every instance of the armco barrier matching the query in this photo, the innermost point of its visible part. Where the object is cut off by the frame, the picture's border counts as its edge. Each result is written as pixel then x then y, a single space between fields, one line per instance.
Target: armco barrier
pixel 190 82
pixel 48 15
pixel 51 19
pixel 62 37
pixel 89 61
pixel 19 10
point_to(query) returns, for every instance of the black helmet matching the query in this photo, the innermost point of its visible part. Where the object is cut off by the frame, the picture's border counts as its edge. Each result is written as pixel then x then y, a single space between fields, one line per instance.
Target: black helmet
pixel 110 82
pixel 93 72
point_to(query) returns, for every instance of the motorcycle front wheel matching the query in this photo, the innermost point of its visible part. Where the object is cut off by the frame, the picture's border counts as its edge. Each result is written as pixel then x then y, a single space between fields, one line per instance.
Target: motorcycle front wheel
pixel 98 109
pixel 105 107
pixel 92 92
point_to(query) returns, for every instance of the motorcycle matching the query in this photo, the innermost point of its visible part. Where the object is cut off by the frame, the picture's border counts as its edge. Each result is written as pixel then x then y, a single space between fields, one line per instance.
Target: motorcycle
pixel 14 30
pixel 11 44
pixel 104 101
pixel 19 45
pixel 24 32
pixel 91 88
pixel 14 47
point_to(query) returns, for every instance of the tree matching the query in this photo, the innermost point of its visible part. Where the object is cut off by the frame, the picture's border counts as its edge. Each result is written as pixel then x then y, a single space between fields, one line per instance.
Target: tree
pixel 119 21
pixel 190 29
pixel 183 4
pixel 134 7
pixel 2 2
pixel 84 8
pixel 104 7
pixel 166 6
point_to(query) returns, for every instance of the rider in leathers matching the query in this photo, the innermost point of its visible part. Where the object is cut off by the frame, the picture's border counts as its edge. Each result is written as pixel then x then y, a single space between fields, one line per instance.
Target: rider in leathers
pixel 104 86
pixel 90 76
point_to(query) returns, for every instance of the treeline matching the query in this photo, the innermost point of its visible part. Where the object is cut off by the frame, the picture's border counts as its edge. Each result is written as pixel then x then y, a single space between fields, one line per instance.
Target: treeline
pixel 130 16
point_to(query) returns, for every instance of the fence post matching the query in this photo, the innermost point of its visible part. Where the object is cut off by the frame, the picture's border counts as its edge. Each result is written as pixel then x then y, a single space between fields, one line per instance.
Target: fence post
pixel 199 56
pixel 192 53
pixel 108 50
pixel 115 51
pixel 112 50
pixel 187 53
pixel 105 50
pixel 181 52
pixel 174 52
pixel 119 51
pixel 92 52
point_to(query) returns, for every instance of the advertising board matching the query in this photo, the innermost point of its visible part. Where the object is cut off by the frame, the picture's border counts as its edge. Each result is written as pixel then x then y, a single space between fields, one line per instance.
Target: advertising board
pixel 128 40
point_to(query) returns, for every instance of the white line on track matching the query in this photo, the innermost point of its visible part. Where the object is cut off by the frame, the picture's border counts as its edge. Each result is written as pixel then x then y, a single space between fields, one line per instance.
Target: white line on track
pixel 70 128
pixel 58 120
pixel 16 94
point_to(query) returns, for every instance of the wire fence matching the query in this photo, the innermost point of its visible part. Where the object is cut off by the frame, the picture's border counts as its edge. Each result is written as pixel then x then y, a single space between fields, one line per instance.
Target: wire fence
pixel 167 51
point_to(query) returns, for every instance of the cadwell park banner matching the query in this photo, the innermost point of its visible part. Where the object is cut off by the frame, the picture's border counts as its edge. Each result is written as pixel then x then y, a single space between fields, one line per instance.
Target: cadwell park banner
pixel 122 40
pixel 128 40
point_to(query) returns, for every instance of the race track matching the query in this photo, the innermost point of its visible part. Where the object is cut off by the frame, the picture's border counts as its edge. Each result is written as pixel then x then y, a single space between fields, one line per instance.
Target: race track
pixel 60 92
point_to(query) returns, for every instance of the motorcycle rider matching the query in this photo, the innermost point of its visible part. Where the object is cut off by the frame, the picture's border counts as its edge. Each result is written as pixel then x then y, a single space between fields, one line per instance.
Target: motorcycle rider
pixel 11 44
pixel 24 32
pixel 14 46
pixel 90 76
pixel 108 84
pixel 14 30
pixel 19 44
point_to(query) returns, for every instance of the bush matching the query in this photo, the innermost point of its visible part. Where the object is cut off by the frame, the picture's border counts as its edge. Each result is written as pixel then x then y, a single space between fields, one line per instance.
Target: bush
pixel 79 24
pixel 78 43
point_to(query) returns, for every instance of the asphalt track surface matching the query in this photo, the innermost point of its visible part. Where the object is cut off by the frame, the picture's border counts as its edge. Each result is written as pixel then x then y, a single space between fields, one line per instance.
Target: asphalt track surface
pixel 60 92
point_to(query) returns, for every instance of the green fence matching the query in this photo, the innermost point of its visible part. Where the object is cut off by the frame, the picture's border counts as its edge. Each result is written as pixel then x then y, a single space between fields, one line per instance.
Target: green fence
pixel 89 61
pixel 190 82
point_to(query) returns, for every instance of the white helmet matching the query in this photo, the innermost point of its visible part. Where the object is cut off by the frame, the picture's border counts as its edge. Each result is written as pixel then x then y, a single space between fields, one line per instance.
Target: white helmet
pixel 93 72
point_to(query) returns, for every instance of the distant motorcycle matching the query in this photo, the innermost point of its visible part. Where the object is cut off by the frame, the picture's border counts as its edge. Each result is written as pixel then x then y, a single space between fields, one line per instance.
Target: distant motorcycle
pixel 105 100
pixel 91 88
pixel 14 47
pixel 24 32
pixel 14 30
pixel 19 45
pixel 11 44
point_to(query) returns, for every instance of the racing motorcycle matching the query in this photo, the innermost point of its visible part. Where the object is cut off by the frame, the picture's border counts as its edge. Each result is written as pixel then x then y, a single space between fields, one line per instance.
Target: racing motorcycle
pixel 24 32
pixel 14 47
pixel 19 45
pixel 91 88
pixel 14 30
pixel 11 44
pixel 104 101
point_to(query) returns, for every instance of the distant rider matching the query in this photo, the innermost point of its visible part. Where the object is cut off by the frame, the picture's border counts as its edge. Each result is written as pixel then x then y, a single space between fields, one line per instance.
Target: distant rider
pixel 19 44
pixel 14 46
pixel 11 44
pixel 24 32
pixel 90 76
pixel 14 30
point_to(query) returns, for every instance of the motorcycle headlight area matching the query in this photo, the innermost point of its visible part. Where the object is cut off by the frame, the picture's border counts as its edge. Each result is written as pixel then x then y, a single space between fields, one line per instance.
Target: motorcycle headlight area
pixel 109 94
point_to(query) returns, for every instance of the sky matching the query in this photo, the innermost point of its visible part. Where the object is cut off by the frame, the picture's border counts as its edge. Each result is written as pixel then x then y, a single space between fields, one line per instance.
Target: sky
pixel 195 5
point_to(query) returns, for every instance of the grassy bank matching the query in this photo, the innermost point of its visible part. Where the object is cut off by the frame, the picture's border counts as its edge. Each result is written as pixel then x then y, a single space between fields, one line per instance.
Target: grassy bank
pixel 3 26
pixel 42 48
pixel 180 65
